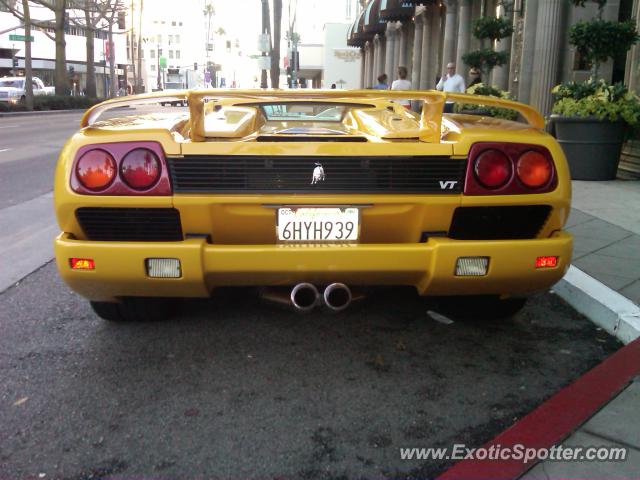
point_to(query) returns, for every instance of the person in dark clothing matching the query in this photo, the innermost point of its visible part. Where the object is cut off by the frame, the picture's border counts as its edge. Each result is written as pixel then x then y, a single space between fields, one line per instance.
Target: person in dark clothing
pixel 475 77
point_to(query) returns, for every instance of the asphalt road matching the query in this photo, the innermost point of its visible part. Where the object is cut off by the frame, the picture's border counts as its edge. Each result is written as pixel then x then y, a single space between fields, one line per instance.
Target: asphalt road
pixel 234 388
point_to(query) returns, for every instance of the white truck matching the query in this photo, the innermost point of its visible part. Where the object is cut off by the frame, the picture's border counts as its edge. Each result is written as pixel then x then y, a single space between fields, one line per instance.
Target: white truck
pixel 12 89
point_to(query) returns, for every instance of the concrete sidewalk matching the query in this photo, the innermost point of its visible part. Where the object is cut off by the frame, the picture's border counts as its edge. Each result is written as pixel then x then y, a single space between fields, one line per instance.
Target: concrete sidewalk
pixel 605 222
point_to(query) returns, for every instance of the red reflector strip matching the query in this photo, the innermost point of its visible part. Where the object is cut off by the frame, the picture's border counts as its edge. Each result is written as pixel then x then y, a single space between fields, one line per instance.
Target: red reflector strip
pixel 546 262
pixel 82 264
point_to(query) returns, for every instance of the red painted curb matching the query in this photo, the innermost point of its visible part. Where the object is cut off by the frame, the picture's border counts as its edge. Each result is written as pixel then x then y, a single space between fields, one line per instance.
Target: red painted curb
pixel 556 418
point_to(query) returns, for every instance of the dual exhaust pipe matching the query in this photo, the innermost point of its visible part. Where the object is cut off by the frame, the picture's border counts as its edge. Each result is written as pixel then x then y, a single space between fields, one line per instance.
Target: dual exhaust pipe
pixel 305 297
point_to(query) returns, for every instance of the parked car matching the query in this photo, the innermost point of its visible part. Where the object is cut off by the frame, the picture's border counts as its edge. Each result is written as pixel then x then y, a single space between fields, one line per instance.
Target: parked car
pixel 315 192
pixel 12 89
pixel 173 87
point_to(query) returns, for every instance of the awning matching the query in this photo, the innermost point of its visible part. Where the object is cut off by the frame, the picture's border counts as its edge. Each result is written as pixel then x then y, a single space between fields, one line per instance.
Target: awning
pixel 372 22
pixel 392 10
pixel 356 36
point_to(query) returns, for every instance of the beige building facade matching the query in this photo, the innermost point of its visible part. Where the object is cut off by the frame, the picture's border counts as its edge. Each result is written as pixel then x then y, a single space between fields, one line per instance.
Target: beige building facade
pixel 425 35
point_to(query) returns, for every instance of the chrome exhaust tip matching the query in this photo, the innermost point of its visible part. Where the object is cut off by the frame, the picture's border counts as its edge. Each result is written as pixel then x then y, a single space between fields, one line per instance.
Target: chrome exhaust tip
pixel 337 297
pixel 305 297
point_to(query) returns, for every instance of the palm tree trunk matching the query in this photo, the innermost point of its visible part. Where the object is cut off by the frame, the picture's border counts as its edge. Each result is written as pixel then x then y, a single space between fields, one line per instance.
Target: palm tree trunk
pixel 91 66
pixel 61 77
pixel 275 51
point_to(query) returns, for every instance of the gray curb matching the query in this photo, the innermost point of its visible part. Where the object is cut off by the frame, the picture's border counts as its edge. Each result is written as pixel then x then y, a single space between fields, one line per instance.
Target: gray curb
pixel 603 306
pixel 53 112
pixel 36 113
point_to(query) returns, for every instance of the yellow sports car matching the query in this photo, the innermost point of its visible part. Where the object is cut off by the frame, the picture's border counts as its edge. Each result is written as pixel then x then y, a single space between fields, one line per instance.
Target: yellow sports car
pixel 313 193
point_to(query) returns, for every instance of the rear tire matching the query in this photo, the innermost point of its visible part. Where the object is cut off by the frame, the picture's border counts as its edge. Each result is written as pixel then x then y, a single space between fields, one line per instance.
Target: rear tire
pixel 480 307
pixel 134 309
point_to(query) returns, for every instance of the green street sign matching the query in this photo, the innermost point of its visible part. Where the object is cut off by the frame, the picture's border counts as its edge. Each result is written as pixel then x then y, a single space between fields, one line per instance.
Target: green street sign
pixel 19 38
pixel 163 62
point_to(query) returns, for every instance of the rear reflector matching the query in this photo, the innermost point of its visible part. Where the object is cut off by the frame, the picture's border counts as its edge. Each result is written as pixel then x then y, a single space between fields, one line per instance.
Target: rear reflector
pixel 546 262
pixel 472 266
pixel 82 264
pixel 163 267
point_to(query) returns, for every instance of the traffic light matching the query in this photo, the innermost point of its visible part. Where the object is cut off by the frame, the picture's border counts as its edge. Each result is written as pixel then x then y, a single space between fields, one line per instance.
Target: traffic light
pixel 15 62
pixel 195 65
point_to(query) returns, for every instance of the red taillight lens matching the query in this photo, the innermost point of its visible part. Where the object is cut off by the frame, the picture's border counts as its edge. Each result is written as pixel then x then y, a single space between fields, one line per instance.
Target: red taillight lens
pixel 493 168
pixel 534 169
pixel 140 169
pixel 96 169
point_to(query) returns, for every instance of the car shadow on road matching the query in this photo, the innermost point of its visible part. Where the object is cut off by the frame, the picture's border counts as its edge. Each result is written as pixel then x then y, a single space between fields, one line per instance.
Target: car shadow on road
pixel 259 386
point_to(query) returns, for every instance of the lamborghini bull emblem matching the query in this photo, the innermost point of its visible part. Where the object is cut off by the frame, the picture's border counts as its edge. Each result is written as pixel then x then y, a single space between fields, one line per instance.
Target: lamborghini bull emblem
pixel 318 174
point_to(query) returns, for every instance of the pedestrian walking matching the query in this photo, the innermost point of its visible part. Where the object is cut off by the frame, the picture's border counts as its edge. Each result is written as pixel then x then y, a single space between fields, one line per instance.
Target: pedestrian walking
pixel 451 82
pixel 402 84
pixel 382 83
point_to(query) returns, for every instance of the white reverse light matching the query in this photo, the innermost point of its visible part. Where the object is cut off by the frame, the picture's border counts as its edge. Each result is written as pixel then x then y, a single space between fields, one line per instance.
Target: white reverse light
pixel 472 266
pixel 163 267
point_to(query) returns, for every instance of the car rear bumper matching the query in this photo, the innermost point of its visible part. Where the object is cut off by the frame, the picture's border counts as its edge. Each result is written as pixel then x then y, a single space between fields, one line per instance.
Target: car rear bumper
pixel 429 267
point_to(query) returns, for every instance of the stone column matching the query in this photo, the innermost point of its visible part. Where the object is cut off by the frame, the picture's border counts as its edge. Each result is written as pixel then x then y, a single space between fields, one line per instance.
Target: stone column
pixel 389 52
pixel 366 65
pixel 428 56
pixel 449 47
pixel 370 74
pixel 437 40
pixel 396 52
pixel 500 75
pixel 546 61
pixel 464 36
pixel 376 58
pixel 362 68
pixel 417 52
pixel 525 77
pixel 403 45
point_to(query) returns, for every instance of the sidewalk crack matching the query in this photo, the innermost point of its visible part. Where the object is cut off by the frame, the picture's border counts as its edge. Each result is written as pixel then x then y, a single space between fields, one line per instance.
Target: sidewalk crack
pixel 611 439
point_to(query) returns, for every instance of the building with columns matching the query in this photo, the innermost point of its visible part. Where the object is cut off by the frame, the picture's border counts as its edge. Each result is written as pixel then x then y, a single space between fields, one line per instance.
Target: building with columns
pixel 425 35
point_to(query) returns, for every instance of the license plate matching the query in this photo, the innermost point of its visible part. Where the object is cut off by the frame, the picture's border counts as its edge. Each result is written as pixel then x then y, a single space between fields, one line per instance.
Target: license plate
pixel 321 224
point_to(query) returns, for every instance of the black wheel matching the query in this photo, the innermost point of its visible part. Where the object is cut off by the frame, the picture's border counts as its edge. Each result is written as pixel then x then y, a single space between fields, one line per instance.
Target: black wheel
pixel 162 104
pixel 134 309
pixel 480 307
pixel 23 100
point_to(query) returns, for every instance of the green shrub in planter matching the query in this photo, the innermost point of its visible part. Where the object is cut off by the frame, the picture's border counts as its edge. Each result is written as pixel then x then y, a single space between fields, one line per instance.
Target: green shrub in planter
pixel 597 99
pixel 491 91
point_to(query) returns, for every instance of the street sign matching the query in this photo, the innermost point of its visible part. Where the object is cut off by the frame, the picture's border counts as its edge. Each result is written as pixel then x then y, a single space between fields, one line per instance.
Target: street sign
pixel 163 62
pixel 19 38
pixel 264 42
pixel 264 63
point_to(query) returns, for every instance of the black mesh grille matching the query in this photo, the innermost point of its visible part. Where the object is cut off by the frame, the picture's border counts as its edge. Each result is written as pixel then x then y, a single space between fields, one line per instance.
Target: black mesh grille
pixel 498 223
pixel 260 174
pixel 130 224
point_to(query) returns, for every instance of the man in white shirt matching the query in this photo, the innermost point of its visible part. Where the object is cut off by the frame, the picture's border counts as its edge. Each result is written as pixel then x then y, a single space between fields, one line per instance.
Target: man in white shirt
pixel 402 84
pixel 451 82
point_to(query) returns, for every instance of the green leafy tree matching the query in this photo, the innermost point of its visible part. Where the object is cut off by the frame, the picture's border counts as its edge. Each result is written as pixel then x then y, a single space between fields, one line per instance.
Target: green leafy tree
pixel 598 40
pixel 493 29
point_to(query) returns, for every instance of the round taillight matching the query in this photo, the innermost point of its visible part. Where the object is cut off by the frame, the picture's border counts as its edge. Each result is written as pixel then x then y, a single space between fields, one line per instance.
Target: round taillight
pixel 493 168
pixel 534 169
pixel 140 169
pixel 96 169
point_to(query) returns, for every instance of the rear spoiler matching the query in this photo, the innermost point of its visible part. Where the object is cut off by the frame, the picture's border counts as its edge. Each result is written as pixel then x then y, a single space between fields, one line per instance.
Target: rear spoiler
pixel 430 118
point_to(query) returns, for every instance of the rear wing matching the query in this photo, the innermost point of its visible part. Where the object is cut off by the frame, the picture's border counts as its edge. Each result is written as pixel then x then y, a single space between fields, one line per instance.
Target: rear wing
pixel 430 117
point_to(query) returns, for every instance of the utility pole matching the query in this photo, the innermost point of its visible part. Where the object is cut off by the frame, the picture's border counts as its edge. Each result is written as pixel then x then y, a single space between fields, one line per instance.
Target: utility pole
pixel 265 31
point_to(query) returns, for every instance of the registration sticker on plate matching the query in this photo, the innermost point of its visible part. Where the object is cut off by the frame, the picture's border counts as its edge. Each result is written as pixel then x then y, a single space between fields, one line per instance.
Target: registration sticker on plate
pixel 318 224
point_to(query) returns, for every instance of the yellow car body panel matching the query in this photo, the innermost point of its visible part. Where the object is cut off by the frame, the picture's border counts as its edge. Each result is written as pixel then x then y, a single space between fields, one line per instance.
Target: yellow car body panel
pixel 230 238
